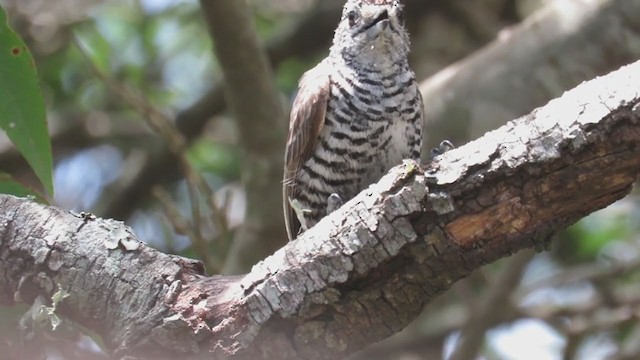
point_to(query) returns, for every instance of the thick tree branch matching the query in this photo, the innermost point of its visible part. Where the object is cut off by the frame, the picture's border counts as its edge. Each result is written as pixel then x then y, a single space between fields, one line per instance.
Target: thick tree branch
pixel 364 271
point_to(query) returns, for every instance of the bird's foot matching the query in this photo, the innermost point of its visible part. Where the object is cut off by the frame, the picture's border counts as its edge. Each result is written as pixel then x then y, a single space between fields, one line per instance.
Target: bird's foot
pixel 334 201
pixel 297 208
pixel 445 145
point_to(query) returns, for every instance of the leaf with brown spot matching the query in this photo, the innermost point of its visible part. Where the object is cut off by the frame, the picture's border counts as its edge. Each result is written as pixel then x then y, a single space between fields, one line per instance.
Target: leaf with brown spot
pixel 22 109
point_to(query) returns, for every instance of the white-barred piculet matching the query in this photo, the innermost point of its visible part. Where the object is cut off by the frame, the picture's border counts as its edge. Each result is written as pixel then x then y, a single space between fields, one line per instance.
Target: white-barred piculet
pixel 357 114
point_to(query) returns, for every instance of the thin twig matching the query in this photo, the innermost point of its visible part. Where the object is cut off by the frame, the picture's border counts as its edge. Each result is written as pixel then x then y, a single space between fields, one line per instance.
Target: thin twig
pixel 181 225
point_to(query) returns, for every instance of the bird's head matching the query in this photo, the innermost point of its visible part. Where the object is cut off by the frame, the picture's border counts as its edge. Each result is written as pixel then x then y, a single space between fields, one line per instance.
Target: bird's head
pixel 369 29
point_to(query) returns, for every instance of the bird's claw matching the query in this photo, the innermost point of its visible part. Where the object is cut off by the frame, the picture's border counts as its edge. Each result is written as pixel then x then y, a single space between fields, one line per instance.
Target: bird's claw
pixel 443 147
pixel 334 201
pixel 297 208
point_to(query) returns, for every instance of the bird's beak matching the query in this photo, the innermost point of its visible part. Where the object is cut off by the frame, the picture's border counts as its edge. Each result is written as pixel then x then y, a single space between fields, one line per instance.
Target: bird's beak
pixel 379 23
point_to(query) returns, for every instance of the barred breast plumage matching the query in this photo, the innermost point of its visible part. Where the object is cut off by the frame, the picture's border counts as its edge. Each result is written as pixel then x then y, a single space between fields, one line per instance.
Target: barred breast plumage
pixel 357 114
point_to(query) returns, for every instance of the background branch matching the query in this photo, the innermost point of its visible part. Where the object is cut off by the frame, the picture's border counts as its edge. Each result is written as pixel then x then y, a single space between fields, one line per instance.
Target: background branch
pixel 481 317
pixel 567 41
pixel 258 110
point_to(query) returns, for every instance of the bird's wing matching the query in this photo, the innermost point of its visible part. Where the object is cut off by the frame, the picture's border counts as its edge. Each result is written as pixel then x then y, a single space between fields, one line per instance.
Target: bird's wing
pixel 305 123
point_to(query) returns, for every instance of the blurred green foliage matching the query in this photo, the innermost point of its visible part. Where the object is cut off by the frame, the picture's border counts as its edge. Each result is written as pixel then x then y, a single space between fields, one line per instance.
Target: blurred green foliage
pixel 585 241
pixel 217 158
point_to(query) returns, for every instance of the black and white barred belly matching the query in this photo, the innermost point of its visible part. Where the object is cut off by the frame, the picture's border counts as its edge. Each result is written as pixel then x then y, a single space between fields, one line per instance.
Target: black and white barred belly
pixel 373 121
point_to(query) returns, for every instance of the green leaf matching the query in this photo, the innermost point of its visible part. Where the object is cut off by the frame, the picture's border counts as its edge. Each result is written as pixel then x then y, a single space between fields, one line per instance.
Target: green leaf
pixel 10 186
pixel 22 110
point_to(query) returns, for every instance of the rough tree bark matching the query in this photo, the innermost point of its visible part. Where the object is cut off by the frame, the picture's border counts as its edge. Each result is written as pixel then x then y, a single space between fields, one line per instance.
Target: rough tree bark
pixel 364 271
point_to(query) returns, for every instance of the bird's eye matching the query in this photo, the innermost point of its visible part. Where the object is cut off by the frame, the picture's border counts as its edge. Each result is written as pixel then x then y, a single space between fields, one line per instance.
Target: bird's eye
pixel 353 17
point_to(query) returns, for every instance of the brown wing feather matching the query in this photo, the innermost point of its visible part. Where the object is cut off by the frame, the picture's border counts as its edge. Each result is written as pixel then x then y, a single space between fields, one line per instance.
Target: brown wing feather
pixel 305 124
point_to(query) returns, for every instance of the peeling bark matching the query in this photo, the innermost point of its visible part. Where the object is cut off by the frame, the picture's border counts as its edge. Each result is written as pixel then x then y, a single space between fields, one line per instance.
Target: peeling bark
pixel 361 274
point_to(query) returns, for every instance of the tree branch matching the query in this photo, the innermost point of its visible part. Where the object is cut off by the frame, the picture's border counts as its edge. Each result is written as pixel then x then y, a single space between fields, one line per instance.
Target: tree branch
pixel 364 271
pixel 563 44
pixel 258 109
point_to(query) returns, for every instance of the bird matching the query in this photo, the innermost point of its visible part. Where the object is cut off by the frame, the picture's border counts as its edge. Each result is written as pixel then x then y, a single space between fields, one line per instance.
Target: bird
pixel 356 114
